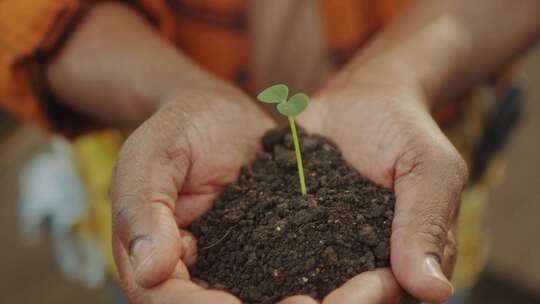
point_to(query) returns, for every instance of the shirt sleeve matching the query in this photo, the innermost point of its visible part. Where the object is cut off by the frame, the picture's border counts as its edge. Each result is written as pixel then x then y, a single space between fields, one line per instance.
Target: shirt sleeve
pixel 30 31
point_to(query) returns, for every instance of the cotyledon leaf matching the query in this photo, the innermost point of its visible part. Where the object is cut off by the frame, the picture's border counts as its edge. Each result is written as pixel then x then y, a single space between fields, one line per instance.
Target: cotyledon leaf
pixel 275 94
pixel 294 106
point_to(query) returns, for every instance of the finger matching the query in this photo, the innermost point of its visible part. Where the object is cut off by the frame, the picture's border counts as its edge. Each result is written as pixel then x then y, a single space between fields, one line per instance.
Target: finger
pixel 372 287
pixel 192 206
pixel 180 271
pixel 150 169
pixel 150 236
pixel 180 291
pixel 176 289
pixel 428 187
pixel 298 300
pixel 189 247
pixel 450 252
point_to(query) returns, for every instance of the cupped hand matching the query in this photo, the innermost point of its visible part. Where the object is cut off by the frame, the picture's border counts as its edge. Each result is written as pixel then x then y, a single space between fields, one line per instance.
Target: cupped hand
pixel 169 172
pixel 385 130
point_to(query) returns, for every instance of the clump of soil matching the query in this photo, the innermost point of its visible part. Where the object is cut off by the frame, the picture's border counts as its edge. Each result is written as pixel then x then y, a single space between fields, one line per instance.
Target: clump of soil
pixel 264 241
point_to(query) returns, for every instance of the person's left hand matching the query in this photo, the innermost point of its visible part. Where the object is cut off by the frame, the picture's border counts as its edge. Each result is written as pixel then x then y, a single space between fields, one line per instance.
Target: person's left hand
pixel 168 173
pixel 384 129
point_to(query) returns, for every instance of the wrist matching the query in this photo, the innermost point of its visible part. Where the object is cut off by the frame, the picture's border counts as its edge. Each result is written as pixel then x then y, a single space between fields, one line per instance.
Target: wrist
pixel 378 86
pixel 183 85
pixel 430 60
pixel 380 80
pixel 213 98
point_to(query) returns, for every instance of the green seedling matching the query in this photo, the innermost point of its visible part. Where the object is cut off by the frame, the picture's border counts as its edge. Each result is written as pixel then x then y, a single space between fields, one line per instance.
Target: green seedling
pixel 293 106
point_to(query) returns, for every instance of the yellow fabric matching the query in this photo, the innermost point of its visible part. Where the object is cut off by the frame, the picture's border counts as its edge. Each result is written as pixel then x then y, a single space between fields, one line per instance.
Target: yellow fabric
pixel 96 154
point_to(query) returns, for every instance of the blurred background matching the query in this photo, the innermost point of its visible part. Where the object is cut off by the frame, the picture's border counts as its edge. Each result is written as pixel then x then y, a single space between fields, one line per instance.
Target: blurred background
pixel 30 274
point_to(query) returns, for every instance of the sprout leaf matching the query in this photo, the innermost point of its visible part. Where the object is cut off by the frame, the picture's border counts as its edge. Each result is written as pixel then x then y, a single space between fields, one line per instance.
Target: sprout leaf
pixel 294 106
pixel 275 94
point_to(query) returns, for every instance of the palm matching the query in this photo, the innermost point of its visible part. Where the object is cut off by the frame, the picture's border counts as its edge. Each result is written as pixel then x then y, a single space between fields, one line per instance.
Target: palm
pixel 219 146
pixel 169 172
pixel 390 138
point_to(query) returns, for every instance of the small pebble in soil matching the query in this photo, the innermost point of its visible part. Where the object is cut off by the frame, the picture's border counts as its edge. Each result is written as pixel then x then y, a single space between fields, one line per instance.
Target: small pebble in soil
pixel 263 241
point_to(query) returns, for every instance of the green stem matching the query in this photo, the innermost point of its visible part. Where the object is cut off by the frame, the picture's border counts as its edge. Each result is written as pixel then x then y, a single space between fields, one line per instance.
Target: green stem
pixel 298 156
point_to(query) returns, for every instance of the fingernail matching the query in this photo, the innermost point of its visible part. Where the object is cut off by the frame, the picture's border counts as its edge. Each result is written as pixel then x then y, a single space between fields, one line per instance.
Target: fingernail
pixel 140 254
pixel 433 268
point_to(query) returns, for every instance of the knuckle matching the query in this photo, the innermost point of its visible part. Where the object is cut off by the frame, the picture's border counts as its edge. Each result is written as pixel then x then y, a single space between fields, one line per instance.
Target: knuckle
pixel 178 153
pixel 412 161
pixel 454 164
pixel 432 228
pixel 451 252
pixel 450 262
pixel 179 156
pixel 122 212
pixel 408 162
pixel 117 179
pixel 178 115
pixel 462 170
pixel 125 212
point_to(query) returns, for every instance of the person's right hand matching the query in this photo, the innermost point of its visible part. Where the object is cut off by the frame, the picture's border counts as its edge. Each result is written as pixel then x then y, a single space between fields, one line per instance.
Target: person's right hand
pixel 384 129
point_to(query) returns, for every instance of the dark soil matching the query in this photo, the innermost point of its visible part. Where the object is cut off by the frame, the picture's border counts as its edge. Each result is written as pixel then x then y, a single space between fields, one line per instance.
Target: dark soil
pixel 264 241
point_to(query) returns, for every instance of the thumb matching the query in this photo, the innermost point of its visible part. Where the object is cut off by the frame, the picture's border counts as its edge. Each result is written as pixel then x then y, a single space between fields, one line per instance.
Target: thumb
pixel 147 245
pixel 428 185
pixel 147 178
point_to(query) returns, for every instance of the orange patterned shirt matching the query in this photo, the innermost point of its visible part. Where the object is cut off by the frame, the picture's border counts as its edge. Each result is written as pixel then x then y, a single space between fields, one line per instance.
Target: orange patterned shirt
pixel 31 30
